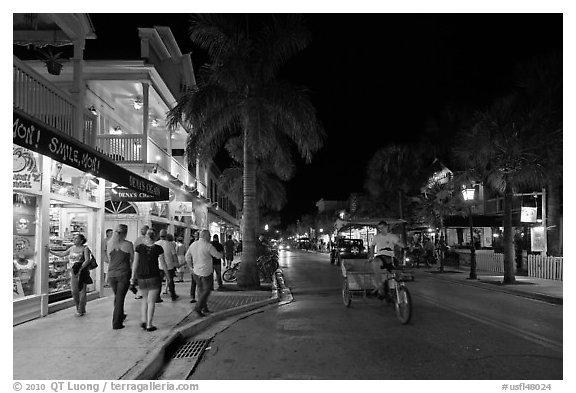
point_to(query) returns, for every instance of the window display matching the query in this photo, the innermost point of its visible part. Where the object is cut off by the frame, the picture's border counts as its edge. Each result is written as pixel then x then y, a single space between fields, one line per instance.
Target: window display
pixel 72 183
pixel 24 244
pixel 65 221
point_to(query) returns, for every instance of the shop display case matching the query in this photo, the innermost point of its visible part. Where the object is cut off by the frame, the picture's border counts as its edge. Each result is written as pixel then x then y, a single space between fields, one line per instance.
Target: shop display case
pixel 58 274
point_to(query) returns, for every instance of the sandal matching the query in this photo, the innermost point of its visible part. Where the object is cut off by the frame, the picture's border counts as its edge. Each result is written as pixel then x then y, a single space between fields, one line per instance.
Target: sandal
pixel 151 328
pixel 143 325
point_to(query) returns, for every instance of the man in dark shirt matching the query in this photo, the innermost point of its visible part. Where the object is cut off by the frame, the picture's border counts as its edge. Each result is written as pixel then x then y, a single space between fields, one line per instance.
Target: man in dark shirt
pixel 217 262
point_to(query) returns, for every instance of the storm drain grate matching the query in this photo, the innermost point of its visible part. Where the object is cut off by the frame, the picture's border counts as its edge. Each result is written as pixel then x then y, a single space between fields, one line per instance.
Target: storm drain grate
pixel 191 349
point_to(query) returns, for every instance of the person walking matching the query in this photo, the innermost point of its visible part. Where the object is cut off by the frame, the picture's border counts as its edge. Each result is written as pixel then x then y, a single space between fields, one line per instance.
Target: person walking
pixel 190 265
pixel 170 264
pixel 217 263
pixel 200 254
pixel 120 253
pixel 137 242
pixel 229 246
pixel 105 259
pixel 147 274
pixel 180 252
pixel 78 259
pixel 140 239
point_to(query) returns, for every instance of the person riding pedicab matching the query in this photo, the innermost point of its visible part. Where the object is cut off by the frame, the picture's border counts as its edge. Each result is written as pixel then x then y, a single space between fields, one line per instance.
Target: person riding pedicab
pixel 381 254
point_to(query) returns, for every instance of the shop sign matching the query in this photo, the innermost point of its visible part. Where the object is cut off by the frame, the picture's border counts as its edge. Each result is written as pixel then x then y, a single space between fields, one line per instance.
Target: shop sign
pixel 25 173
pixel 183 209
pixel 537 239
pixel 40 138
pixel 528 214
pixel 127 195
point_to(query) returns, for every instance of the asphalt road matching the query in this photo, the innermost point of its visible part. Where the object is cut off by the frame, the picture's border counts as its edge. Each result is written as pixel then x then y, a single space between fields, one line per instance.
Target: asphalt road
pixel 458 332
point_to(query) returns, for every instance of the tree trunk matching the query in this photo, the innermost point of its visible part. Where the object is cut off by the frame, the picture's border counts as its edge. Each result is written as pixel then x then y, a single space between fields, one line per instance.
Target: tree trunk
pixel 248 273
pixel 553 220
pixel 441 253
pixel 509 277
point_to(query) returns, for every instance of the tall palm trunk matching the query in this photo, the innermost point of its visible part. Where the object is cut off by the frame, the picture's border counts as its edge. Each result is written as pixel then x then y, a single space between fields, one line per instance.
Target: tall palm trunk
pixel 441 253
pixel 509 277
pixel 553 220
pixel 248 273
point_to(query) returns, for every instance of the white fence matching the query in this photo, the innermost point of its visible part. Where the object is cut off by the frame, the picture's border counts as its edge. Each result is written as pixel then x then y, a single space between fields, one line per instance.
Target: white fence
pixel 538 266
pixel 486 260
pixel 490 262
pixel 545 267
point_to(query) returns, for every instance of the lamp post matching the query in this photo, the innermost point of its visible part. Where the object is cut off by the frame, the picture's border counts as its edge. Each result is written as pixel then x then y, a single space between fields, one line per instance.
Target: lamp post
pixel 468 194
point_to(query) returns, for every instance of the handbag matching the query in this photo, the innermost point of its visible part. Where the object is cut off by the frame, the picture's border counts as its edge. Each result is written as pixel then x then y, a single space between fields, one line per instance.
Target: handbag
pixel 92 264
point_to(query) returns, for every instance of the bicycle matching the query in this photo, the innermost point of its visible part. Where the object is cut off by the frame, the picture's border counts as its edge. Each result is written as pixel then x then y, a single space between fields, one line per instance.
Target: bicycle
pixel 359 279
pixel 266 265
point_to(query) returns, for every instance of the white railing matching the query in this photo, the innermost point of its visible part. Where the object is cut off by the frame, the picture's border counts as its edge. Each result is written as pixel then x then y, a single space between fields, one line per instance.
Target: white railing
pixel 39 98
pixel 545 267
pixel 178 170
pixel 124 148
pixel 159 155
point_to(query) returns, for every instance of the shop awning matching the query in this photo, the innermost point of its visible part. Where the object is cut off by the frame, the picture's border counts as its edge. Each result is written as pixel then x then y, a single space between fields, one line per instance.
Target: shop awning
pixel 344 225
pixel 477 220
pixel 41 138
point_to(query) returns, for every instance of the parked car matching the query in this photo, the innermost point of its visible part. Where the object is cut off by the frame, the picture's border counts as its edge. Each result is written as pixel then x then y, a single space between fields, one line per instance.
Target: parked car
pixel 347 249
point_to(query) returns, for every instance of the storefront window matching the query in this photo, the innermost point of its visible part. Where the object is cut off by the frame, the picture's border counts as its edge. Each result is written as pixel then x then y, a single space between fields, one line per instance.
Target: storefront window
pixel 25 216
pixel 73 183
pixel 67 220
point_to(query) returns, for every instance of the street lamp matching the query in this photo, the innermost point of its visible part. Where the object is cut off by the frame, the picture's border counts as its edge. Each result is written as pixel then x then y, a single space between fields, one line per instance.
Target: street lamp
pixel 468 195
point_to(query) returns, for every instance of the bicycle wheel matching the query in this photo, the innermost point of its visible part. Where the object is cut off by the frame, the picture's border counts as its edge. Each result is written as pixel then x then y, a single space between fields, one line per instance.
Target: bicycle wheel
pixel 403 305
pixel 229 274
pixel 346 295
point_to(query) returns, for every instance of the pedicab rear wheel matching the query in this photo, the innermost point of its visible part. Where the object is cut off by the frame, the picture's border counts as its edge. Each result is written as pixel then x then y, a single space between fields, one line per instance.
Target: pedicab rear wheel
pixel 346 295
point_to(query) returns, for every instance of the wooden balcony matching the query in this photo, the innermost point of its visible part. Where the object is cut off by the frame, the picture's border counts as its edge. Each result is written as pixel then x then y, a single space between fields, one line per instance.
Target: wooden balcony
pixel 38 97
pixel 128 149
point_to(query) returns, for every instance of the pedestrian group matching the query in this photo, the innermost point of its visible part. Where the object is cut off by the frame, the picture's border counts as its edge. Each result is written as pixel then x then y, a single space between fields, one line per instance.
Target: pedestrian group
pixel 144 265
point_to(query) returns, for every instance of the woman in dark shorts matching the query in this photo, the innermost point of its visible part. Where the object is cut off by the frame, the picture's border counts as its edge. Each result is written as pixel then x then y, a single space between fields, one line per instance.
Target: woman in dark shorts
pixel 147 274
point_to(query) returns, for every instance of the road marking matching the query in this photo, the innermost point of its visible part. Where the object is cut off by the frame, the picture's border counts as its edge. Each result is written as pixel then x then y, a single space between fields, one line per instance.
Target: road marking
pixel 535 338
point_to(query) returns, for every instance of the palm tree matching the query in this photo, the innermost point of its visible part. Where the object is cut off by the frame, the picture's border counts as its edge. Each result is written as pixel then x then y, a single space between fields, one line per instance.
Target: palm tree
pixel 540 84
pixel 503 149
pixel 239 94
pixel 395 171
pixel 437 202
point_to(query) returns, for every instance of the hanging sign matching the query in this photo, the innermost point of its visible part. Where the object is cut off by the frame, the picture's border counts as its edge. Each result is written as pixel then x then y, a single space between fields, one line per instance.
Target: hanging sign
pixel 183 209
pixel 25 173
pixel 31 134
pixel 528 214
pixel 537 242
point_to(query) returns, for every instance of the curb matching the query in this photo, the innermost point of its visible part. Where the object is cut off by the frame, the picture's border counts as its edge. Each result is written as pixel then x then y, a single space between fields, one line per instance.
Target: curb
pixel 149 366
pixel 478 284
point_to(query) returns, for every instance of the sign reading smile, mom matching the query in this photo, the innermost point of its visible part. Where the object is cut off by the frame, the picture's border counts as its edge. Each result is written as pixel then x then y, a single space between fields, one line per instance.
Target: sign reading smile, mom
pixel 31 134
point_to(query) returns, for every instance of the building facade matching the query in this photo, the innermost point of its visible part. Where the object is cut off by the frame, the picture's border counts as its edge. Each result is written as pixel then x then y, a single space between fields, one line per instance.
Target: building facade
pixel 91 149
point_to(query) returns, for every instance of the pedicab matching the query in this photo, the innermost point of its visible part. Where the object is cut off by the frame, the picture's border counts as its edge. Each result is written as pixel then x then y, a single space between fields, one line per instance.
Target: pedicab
pixel 359 275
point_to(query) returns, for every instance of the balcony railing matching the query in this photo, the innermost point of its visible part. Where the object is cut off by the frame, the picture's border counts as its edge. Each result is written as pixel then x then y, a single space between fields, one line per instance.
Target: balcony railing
pixel 127 148
pixel 38 97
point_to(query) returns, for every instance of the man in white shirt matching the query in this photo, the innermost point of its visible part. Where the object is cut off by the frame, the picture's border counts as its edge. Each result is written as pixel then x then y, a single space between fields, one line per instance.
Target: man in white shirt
pixel 382 251
pixel 199 255
pixel 171 264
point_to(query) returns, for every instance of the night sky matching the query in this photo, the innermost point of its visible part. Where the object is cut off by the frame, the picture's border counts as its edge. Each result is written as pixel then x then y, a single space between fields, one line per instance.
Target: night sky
pixel 374 78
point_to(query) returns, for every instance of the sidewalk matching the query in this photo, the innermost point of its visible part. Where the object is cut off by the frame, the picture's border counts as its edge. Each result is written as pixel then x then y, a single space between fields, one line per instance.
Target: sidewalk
pixel 535 288
pixel 63 346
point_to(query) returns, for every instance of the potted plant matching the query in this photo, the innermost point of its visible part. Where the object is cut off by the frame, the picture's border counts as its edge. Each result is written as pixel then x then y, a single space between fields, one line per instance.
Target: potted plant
pixel 51 60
